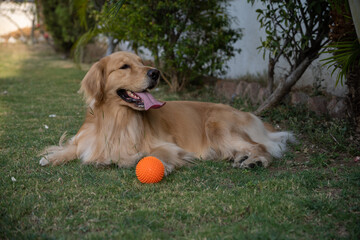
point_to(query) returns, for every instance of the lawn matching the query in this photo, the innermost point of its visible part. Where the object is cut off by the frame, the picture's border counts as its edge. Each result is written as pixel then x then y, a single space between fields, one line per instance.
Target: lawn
pixel 313 192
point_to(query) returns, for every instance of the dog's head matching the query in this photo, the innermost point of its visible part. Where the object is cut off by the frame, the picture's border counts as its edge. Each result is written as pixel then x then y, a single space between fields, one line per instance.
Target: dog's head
pixel 122 78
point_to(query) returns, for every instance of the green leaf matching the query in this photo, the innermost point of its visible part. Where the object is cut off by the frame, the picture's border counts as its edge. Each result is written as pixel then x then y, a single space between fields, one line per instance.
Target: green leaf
pixel 344 56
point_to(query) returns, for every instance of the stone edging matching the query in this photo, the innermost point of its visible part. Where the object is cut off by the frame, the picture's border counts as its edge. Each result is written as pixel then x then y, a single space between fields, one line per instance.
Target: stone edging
pixel 256 94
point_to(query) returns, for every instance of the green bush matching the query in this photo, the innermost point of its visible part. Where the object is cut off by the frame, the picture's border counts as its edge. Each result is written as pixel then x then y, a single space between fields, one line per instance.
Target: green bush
pixel 188 39
pixel 62 21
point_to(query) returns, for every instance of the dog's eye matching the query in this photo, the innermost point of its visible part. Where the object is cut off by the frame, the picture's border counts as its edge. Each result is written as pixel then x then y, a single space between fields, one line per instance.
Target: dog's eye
pixel 125 66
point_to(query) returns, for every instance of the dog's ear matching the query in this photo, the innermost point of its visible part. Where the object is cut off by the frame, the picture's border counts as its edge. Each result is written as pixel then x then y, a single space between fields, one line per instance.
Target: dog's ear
pixel 93 84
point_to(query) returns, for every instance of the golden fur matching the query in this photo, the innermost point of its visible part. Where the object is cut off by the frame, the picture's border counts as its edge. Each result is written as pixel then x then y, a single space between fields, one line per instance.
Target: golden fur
pixel 119 132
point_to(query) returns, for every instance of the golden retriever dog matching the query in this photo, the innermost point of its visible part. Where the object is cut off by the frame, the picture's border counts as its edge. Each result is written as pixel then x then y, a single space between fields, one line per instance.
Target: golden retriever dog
pixel 124 123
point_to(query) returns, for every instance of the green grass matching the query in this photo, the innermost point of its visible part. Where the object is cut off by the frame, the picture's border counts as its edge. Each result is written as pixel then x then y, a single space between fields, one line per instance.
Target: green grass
pixel 311 193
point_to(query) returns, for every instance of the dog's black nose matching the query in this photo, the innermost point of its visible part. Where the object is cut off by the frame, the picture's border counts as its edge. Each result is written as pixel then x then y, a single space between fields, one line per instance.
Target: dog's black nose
pixel 153 74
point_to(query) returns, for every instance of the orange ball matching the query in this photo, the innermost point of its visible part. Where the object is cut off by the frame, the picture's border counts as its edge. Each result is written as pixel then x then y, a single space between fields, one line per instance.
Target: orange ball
pixel 150 170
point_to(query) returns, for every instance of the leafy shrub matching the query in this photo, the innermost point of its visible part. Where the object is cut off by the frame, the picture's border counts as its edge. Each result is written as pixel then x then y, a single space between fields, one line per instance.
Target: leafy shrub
pixel 188 39
pixel 62 22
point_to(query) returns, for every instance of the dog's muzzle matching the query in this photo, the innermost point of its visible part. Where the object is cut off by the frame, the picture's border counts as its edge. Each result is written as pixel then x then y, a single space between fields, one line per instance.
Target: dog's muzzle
pixel 143 99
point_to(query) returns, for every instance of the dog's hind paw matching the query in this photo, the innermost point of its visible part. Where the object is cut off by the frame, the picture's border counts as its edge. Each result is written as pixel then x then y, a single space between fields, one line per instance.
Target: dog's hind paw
pixel 43 161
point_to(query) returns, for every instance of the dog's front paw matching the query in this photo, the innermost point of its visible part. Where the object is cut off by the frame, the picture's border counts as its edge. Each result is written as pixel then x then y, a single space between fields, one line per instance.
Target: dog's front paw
pixel 43 161
pixel 250 162
pixel 168 168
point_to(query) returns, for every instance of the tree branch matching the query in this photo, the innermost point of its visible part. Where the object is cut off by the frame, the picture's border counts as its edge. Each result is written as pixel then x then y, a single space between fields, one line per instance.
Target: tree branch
pixel 282 49
pixel 284 87
pixel 303 14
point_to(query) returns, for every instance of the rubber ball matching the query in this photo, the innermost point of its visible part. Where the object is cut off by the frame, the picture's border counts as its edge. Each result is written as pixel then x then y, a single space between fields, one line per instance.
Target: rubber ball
pixel 150 170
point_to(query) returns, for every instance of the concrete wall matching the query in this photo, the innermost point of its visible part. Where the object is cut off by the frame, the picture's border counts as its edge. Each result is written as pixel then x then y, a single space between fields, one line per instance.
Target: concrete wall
pixel 251 61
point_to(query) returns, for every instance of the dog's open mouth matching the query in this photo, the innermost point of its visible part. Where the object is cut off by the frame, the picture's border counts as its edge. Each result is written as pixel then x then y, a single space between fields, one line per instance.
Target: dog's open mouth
pixel 140 99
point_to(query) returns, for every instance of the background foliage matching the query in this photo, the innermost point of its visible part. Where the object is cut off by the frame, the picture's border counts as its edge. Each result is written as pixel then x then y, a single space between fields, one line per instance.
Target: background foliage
pixel 63 22
pixel 296 31
pixel 345 55
pixel 344 46
pixel 188 39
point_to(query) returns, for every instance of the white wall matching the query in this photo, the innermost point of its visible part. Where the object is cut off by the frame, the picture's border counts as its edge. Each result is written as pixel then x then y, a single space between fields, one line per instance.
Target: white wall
pixel 20 13
pixel 250 60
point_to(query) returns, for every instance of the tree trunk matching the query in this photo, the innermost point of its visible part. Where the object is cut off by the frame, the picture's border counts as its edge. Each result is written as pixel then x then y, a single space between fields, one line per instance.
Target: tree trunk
pixel 355 13
pixel 270 80
pixel 174 83
pixel 353 83
pixel 353 77
pixel 32 36
pixel 285 86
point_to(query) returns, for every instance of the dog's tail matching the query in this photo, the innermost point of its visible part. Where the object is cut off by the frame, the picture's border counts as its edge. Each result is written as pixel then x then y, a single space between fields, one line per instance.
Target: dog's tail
pixel 275 142
pixel 59 154
pixel 278 142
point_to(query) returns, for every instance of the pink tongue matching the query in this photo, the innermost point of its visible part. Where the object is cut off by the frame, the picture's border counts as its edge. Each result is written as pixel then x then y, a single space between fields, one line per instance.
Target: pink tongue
pixel 149 100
